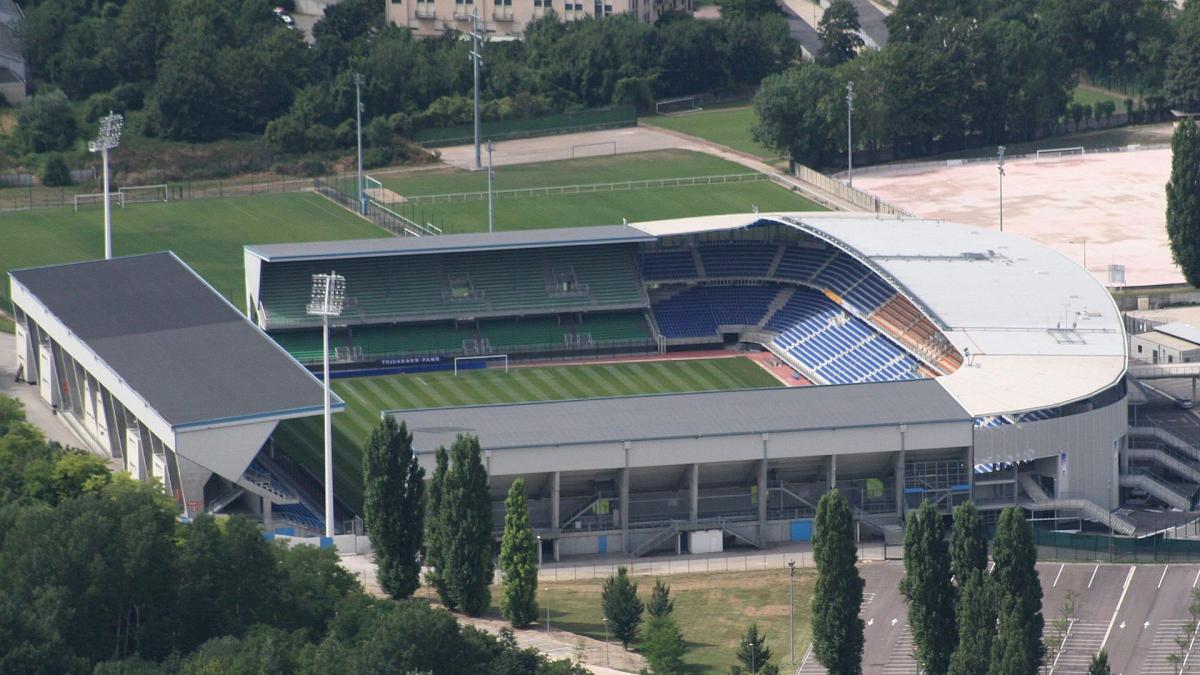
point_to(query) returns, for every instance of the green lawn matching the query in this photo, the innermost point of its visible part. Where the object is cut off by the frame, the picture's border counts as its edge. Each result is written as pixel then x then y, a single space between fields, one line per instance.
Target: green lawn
pixel 208 234
pixel 1090 95
pixel 366 397
pixel 727 126
pixel 712 611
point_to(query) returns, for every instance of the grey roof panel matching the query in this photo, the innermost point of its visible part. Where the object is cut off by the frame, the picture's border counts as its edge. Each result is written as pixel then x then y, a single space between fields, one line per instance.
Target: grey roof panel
pixel 685 415
pixel 450 243
pixel 174 341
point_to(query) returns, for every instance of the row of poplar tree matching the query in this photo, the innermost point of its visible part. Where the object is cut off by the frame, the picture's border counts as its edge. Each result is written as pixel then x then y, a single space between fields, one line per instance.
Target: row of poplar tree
pixel 453 522
pixel 964 620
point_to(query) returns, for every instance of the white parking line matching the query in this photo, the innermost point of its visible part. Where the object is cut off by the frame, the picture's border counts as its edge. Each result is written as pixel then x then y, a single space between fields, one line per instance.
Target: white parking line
pixel 1056 576
pixel 1164 576
pixel 1124 591
pixel 1094 576
pixel 1196 579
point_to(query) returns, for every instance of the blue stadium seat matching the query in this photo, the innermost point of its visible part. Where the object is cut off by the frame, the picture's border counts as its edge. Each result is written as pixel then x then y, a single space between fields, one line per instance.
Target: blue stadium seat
pixel 668 263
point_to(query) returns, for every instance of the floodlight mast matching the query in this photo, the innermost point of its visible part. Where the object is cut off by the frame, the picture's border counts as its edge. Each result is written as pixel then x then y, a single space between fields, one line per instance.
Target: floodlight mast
pixel 108 139
pixel 477 28
pixel 1000 169
pixel 328 296
pixel 358 111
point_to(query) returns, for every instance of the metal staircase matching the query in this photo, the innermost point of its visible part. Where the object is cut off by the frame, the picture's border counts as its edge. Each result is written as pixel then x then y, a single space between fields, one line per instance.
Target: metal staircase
pixel 1166 460
pixel 1159 489
pixel 1037 499
pixel 1167 438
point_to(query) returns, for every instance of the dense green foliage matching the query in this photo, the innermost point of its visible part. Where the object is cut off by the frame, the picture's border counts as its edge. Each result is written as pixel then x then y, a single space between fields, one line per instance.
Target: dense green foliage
pixel 465 509
pixel 927 589
pixel 753 654
pixel 100 577
pixel 1183 65
pixel 663 646
pixel 838 31
pixel 968 542
pixel 976 622
pixel 393 506
pixel 518 560
pixel 622 607
pixel 660 603
pixel 1183 200
pixel 45 123
pixel 1099 664
pixel 437 528
pixel 1018 647
pixel 838 595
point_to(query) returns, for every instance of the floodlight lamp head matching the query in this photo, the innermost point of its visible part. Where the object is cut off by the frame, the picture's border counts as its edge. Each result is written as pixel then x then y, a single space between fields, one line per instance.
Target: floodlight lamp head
pixel 109 136
pixel 328 294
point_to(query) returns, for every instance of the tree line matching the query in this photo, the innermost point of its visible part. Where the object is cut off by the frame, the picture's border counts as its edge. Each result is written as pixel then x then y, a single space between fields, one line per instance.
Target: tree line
pixel 101 577
pixel 961 72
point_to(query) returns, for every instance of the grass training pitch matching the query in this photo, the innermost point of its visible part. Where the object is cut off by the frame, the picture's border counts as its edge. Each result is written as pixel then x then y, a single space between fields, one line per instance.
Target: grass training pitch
pixel 727 126
pixel 207 234
pixel 591 208
pixel 365 397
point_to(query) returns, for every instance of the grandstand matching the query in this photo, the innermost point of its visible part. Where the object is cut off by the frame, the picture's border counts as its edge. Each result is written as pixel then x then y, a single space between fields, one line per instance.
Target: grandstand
pixel 966 363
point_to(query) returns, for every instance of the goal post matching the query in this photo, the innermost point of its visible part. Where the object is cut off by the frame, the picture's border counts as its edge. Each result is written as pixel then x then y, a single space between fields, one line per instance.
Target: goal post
pixel 676 106
pixel 465 362
pixel 1058 153
pixel 97 199
pixel 146 193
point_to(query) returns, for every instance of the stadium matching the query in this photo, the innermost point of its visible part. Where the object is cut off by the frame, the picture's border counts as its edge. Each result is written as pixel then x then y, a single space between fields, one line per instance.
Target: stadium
pixel 928 360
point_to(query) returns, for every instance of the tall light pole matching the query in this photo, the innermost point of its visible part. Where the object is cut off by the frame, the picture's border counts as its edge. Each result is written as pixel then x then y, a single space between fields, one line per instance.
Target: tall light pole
pixel 491 175
pixel 477 61
pixel 547 589
pixel 753 657
pixel 108 139
pixel 792 612
pixel 850 131
pixel 328 295
pixel 358 109
pixel 1000 168
pixel 606 660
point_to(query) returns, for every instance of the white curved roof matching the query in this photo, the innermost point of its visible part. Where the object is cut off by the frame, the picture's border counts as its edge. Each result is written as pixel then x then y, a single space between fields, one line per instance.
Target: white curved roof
pixel 1039 330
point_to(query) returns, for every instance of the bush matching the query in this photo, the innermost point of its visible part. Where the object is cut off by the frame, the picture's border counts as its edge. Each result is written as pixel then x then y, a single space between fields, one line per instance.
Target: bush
pixel 55 172
pixel 286 134
pixel 374 158
pixel 99 105
pixel 378 133
pixel 46 123
pixel 131 95
pixel 634 90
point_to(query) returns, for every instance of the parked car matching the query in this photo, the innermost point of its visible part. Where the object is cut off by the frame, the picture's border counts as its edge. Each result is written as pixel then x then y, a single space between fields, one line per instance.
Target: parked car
pixel 1185 403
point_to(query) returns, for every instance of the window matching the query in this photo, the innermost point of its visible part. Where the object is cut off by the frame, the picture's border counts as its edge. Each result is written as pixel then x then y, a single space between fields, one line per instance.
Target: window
pixel 1170 358
pixel 1139 349
pixel 608 10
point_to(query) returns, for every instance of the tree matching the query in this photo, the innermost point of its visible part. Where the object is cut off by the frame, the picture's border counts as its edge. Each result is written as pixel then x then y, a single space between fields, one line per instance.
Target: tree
pixel 467 545
pixel 838 594
pixel 800 114
pixel 663 645
pixel 55 172
pixel 838 31
pixel 393 506
pixel 1099 664
pixel 1182 83
pixel 752 652
pixel 736 10
pixel 1077 114
pixel 621 606
pixel 1183 199
pixel 927 589
pixel 437 529
pixel 976 624
pixel 518 560
pixel 1018 647
pixel 968 544
pixel 45 122
pixel 660 603
pixel 187 87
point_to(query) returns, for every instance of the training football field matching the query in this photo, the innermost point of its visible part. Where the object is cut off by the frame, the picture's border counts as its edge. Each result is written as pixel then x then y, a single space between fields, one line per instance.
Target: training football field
pixel 366 397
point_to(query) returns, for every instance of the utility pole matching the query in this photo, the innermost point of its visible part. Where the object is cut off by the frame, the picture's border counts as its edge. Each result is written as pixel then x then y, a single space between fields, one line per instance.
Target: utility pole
pixel 1000 168
pixel 850 131
pixel 108 139
pixel 491 175
pixel 792 612
pixel 477 61
pixel 358 109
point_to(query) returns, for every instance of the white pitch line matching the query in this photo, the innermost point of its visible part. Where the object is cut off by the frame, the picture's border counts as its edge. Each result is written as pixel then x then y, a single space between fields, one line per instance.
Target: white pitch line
pixel 1196 579
pixel 1164 576
pixel 1113 620
pixel 1094 576
pixel 1056 576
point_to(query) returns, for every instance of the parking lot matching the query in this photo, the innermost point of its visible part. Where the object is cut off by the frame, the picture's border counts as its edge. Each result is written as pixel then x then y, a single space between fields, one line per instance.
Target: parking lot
pixel 1139 613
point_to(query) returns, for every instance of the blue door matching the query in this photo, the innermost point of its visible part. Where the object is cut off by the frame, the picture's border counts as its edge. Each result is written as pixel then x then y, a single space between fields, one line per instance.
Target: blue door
pixel 604 543
pixel 802 530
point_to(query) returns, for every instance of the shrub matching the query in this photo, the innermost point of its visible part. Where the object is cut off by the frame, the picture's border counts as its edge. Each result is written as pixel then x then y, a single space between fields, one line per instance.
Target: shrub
pixel 55 172
pixel 378 133
pixel 131 95
pixel 99 105
pixel 286 134
pixel 374 158
pixel 46 123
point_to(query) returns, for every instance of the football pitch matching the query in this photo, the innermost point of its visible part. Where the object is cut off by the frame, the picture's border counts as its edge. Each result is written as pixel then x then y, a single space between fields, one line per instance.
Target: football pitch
pixel 605 207
pixel 208 234
pixel 727 126
pixel 366 397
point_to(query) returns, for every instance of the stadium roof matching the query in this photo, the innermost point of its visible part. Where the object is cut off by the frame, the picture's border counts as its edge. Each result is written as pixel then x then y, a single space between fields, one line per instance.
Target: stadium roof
pixel 686 415
pixel 1182 331
pixel 450 243
pixel 173 340
pixel 1039 329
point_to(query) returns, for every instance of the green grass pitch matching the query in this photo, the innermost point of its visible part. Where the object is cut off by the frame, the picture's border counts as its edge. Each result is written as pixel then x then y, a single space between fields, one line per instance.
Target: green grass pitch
pixel 592 208
pixel 366 397
pixel 208 234
pixel 727 126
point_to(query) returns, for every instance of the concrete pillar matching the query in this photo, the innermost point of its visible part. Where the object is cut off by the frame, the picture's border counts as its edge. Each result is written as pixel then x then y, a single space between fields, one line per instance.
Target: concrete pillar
pixel 832 471
pixel 555 500
pixel 900 459
pixel 625 510
pixel 267 516
pixel 762 495
pixel 694 494
pixel 192 478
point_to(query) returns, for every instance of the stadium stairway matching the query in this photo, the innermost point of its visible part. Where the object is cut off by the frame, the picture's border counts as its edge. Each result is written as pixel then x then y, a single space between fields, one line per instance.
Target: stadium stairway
pixel 1166 438
pixel 1159 489
pixel 1166 460
pixel 1038 500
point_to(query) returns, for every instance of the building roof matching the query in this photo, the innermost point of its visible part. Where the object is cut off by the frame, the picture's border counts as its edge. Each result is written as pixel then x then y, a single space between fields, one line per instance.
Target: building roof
pixel 1185 332
pixel 173 340
pixel 662 416
pixel 450 243
pixel 1168 341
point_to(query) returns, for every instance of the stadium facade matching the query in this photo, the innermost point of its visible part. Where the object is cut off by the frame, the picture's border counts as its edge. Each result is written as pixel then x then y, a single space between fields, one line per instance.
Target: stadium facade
pixel 951 362
pixel 156 371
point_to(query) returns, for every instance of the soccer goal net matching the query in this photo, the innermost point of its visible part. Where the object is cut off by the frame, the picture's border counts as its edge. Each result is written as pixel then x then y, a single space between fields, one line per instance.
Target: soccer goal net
pixel 677 106
pixel 97 199
pixel 146 193
pixel 480 362
pixel 1051 154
